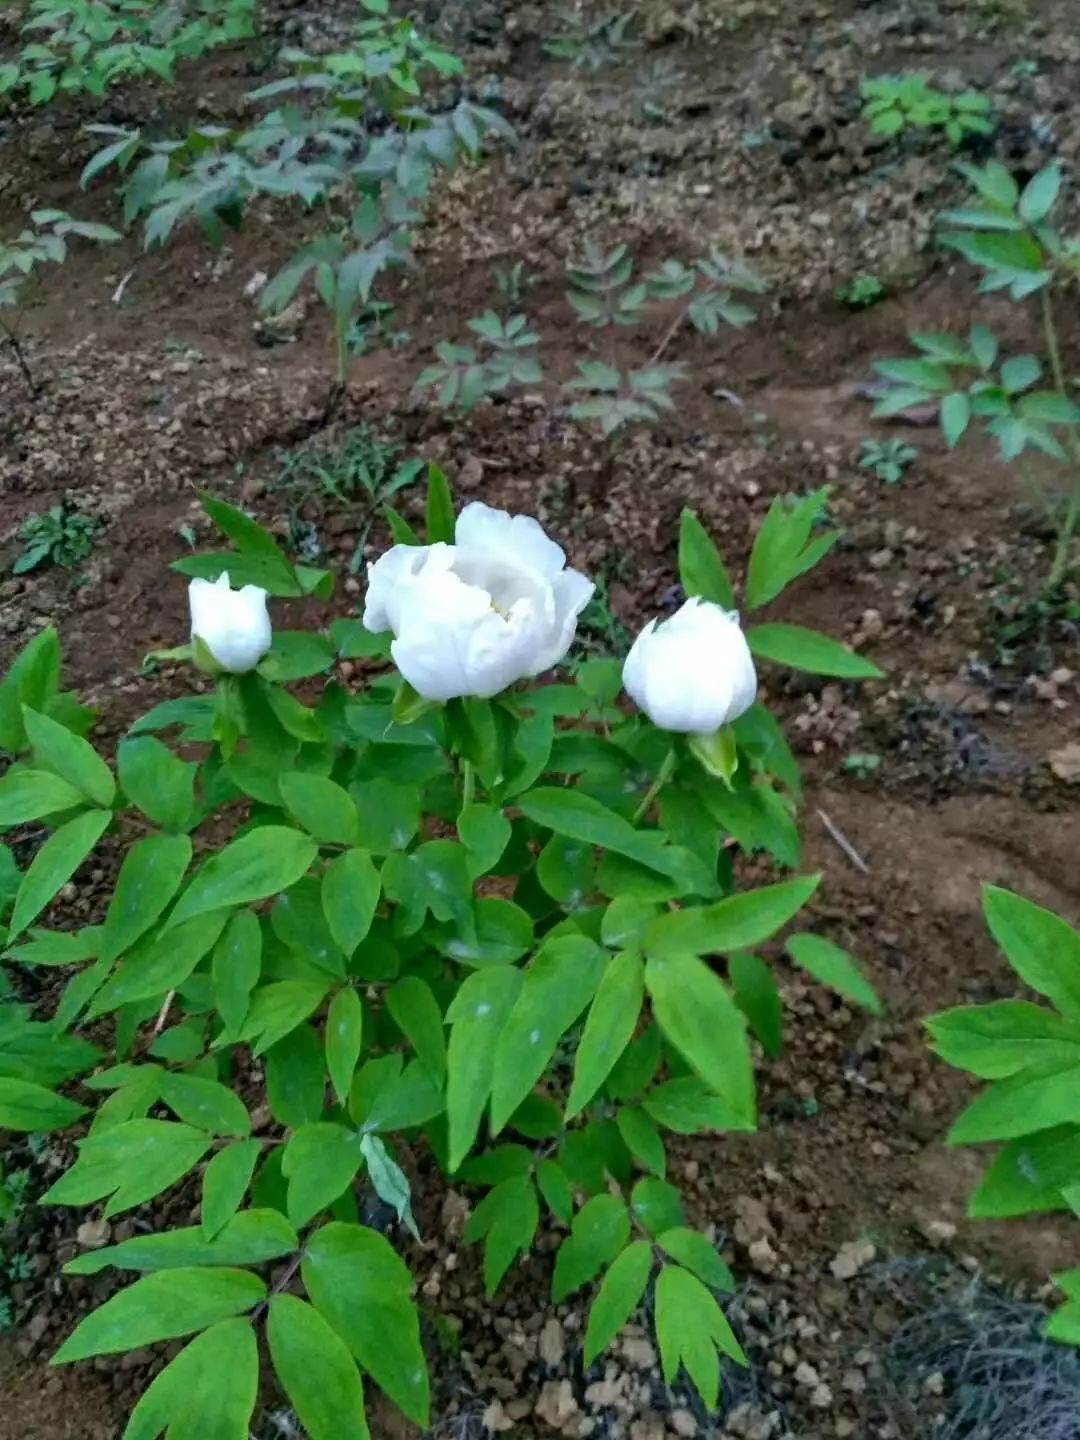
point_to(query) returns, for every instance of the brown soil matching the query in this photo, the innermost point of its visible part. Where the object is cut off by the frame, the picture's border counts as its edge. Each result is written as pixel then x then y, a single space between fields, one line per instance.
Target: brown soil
pixel 756 147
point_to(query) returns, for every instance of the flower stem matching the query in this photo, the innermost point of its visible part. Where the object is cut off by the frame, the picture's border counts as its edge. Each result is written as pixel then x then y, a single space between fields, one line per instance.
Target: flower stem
pixel 663 775
pixel 1067 529
pixel 468 784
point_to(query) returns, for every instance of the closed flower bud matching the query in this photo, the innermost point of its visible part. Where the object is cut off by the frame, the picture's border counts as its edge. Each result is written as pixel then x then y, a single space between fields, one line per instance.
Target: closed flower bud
pixel 497 606
pixel 234 625
pixel 692 673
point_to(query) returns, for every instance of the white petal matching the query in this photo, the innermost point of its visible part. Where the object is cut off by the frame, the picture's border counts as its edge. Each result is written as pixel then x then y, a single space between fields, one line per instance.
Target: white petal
pixel 572 591
pixel 694 672
pixel 389 579
pixel 517 538
pixel 234 625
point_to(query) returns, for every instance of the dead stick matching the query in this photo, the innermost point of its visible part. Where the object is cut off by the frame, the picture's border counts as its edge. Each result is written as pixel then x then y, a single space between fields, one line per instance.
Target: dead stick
pixel 844 843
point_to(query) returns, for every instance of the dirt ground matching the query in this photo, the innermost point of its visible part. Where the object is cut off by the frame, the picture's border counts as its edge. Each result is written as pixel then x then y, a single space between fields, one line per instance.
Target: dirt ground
pixel 732 123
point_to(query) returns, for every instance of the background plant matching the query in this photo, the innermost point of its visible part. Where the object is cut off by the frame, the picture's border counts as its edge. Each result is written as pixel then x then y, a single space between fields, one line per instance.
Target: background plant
pixel 1028 1052
pixel 44 241
pixel 895 103
pixel 887 459
pixel 336 953
pixel 1025 402
pixel 60 536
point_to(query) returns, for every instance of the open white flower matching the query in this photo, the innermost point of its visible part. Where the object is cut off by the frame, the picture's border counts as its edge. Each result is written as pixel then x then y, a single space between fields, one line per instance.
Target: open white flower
pixel 234 625
pixel 497 606
pixel 694 672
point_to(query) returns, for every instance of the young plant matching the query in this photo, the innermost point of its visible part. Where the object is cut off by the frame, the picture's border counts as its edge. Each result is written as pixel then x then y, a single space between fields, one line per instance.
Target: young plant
pixel 895 103
pixel 1028 1052
pixel 1025 402
pixel 60 537
pixel 45 241
pixel 416 918
pixel 505 355
pixel 590 44
pixel 887 459
pixel 863 291
pixel 86 45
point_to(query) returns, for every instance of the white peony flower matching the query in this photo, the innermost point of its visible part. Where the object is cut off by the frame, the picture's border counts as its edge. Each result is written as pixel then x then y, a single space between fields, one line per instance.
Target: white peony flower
pixel 233 624
pixel 694 672
pixel 497 606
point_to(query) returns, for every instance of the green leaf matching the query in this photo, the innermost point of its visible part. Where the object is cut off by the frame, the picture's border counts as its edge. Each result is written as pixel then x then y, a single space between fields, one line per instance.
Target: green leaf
pixel 692 1249
pixel 701 569
pixel 33 679
pixel 1040 195
pixel 686 1107
pixel 316 1371
pixel 699 1017
pixel 206 1393
pixel 609 1027
pixel 835 968
pixel 485 833
pixel 162 1306
pixel 263 862
pixel 320 1164
pixel 415 1011
pixel 579 817
pixel 807 650
pixel 344 1040
pixel 506 1219
pixel 324 809
pixel 157 781
pixel 642 1139
pixel 131 1162
pixel 1029 1175
pixel 689 1327
pixel 295 1078
pixel 206 1104
pixel 783 549
pixel 736 923
pixel 1064 1324
pixel 477 1015
pixel 955 414
pixel 657 1205
pixel 758 997
pixel 440 507
pixel 54 865
pixel 225 1183
pixel 160 962
pixel 1019 1105
pixel 557 986
pixel 150 876
pixel 235 967
pixel 250 538
pixel 993 1041
pixel 362 1288
pixel 71 757
pixel 389 1181
pixel 618 1297
pixel 251 1238
pixel 29 1107
pixel 278 1009
pixel 1041 948
pixel 296 655
pixel 556 1190
pixel 351 888
pixel 32 794
pixel 599 1231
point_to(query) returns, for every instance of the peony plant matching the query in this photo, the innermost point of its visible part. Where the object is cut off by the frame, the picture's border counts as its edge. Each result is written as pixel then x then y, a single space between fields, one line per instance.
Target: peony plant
pixel 453 915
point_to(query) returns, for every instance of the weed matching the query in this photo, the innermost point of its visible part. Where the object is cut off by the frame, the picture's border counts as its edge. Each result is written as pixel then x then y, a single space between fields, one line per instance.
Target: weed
pixel 887 459
pixel 862 766
pixel 60 536
pixel 592 44
pixel 864 291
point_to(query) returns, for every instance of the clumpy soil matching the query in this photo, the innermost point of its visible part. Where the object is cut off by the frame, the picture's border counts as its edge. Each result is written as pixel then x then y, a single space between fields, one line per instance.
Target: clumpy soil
pixel 728 123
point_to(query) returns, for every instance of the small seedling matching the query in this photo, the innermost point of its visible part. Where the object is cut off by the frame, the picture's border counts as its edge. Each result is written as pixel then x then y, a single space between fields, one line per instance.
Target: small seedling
pixel 895 103
pixel 504 355
pixel 60 536
pixel 887 459
pixel 864 291
pixel 592 44
pixel 862 766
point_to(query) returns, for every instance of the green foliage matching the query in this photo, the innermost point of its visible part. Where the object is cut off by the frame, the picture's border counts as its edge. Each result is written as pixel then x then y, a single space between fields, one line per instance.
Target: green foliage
pixel 887 459
pixel 1030 1054
pixel 87 45
pixel 504 355
pixel 893 104
pixel 309 889
pixel 59 537
pixel 591 44
pixel 1024 402
pixel 861 293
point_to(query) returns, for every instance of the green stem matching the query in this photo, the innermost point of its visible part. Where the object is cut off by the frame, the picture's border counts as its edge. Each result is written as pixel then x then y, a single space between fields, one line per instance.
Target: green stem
pixel 468 784
pixel 1067 529
pixel 342 351
pixel 663 775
